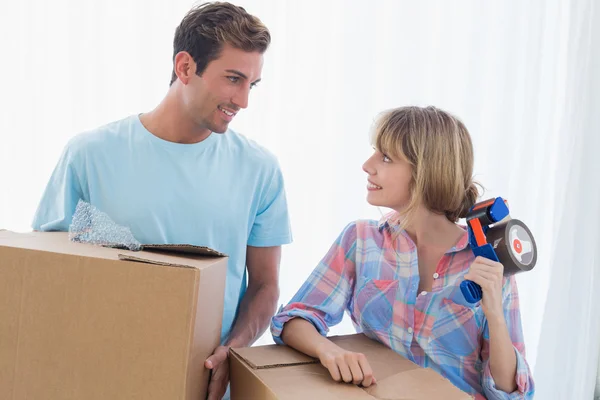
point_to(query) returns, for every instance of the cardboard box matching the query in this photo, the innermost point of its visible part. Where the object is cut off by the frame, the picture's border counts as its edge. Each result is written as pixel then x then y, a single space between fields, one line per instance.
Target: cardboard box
pixel 279 372
pixel 85 322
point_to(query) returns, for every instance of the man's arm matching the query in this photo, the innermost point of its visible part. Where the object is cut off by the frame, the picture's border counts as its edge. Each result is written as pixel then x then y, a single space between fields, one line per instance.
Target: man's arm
pixel 260 301
pixel 256 310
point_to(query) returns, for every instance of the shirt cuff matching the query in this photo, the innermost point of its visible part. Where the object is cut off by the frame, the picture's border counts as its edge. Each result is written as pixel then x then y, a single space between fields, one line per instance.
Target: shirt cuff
pixel 523 380
pixel 256 241
pixel 291 312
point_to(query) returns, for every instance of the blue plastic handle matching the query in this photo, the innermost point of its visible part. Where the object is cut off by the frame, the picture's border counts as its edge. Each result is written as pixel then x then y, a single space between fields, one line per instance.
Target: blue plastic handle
pixel 496 212
pixel 470 289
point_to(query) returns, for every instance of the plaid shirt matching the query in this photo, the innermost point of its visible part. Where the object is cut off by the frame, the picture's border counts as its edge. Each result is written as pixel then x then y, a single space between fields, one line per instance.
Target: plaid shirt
pixel 373 274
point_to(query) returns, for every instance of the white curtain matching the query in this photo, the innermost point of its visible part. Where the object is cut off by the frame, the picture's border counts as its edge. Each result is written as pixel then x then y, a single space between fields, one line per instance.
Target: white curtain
pixel 523 75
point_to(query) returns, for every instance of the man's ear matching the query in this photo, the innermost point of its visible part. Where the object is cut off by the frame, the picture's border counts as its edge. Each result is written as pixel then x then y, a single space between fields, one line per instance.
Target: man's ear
pixel 184 66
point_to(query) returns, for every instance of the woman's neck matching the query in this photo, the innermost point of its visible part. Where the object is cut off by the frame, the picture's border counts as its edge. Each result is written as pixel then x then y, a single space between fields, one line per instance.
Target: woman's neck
pixel 428 229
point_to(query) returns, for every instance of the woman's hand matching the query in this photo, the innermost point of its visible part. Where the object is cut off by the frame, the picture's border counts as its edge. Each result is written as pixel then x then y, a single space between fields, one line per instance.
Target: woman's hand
pixel 489 275
pixel 345 365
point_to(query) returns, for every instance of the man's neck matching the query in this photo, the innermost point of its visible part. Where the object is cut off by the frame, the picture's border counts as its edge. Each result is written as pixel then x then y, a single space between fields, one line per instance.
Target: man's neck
pixel 169 122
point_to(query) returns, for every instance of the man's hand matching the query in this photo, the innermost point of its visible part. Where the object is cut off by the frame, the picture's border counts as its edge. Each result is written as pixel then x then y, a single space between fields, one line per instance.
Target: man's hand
pixel 218 363
pixel 256 309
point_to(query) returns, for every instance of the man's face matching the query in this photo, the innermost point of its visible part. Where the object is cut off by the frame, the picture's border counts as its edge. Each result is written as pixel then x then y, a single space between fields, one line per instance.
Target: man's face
pixel 213 99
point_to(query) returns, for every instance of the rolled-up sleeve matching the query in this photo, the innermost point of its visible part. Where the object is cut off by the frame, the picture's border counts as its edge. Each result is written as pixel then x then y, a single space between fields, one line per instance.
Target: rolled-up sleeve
pixel 523 377
pixel 324 297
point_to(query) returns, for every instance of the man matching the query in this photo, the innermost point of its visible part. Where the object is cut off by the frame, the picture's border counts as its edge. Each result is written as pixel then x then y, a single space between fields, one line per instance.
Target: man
pixel 177 174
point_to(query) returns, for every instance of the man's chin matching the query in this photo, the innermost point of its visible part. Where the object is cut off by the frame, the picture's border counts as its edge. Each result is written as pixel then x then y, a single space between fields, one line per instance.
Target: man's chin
pixel 222 128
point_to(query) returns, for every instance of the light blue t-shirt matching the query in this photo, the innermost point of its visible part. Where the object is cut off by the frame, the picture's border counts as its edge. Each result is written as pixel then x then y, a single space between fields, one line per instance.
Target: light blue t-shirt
pixel 226 192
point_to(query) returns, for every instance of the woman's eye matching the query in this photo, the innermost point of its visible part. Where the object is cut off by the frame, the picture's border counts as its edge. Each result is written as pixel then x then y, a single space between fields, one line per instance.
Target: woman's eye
pixel 386 159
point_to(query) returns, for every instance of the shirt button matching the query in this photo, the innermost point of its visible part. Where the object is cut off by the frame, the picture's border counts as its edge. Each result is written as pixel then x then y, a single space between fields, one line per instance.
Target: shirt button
pixel 436 275
pixel 410 330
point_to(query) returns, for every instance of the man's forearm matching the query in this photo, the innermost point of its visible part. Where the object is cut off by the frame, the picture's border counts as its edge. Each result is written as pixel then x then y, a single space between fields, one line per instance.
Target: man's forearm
pixel 256 310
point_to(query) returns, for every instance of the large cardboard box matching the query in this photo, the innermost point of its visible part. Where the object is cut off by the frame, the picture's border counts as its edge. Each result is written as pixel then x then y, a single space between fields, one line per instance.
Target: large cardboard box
pixel 85 322
pixel 279 372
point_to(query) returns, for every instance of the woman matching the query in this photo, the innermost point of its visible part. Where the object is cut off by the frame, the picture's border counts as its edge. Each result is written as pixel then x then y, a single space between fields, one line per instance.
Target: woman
pixel 399 278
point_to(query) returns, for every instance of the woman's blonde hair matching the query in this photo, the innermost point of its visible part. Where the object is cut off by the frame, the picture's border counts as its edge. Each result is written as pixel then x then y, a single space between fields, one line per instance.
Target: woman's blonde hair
pixel 438 147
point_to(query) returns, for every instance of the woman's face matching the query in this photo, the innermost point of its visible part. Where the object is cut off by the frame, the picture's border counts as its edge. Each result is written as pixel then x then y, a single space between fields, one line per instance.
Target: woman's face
pixel 388 181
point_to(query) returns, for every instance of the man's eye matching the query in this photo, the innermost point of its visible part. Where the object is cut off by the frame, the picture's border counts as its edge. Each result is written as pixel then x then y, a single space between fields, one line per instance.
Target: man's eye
pixel 234 79
pixel 253 85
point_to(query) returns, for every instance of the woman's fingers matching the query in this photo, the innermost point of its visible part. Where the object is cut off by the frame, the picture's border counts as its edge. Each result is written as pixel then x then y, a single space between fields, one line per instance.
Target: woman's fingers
pixel 333 369
pixel 368 378
pixel 344 370
pixel 349 367
pixel 357 373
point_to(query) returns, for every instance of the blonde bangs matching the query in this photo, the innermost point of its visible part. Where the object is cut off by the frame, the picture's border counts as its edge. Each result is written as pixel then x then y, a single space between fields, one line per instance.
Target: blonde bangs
pixel 389 137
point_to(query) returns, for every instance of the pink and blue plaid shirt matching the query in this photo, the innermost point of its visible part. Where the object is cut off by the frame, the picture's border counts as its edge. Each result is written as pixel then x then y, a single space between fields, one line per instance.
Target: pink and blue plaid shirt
pixel 373 275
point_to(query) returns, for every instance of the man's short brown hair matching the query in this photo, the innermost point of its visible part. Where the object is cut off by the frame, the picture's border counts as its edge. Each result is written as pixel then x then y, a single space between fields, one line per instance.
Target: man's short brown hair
pixel 208 27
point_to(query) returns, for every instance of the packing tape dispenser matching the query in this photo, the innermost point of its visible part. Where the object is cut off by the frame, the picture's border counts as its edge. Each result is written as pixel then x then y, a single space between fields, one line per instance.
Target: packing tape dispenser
pixel 494 236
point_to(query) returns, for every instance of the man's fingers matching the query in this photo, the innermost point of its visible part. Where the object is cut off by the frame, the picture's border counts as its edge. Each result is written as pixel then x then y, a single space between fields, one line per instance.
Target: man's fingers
pixel 219 378
pixel 218 383
pixel 216 359
pixel 220 373
pixel 212 391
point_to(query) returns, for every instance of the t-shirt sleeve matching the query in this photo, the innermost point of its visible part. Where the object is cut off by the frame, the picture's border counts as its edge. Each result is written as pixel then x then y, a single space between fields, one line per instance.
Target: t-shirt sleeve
pixel 271 225
pixel 61 195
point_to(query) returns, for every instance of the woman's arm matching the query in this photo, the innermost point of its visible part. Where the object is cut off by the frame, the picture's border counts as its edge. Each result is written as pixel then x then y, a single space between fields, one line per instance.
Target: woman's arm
pixel 342 365
pixel 506 374
pixel 319 304
pixel 304 337
pixel 502 358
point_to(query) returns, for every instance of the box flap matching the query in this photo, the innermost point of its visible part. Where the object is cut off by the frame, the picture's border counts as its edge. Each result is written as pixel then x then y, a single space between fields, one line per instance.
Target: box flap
pixel 150 260
pixel 416 384
pixel 183 249
pixel 58 242
pixel 272 356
